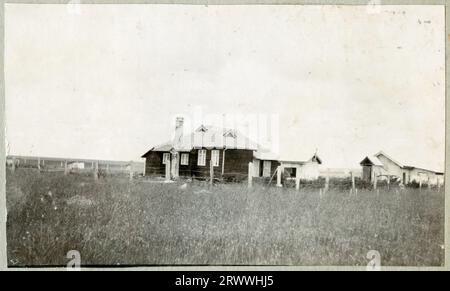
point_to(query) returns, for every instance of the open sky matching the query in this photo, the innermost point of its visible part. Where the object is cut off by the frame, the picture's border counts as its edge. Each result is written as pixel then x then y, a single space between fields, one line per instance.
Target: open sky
pixel 105 81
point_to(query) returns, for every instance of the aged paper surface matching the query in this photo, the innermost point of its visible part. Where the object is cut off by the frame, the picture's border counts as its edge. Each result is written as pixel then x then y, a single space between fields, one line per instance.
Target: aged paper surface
pixel 326 123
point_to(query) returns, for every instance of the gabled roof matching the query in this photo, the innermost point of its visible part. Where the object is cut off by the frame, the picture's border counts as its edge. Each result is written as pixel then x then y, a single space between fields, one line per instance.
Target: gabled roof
pixel 381 153
pixel 208 136
pixel 294 159
pixel 376 161
pixel 373 160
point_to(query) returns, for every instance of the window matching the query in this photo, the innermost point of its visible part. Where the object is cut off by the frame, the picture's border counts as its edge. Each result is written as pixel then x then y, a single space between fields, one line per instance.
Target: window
pixel 266 168
pixel 201 159
pixel 166 158
pixel 215 157
pixel 184 159
pixel 230 133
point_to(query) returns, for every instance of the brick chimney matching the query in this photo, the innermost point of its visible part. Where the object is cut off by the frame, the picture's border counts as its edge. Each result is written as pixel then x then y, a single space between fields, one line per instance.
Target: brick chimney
pixel 179 123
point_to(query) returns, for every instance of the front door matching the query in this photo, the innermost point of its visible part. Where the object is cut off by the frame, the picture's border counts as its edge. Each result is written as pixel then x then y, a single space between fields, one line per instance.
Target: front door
pixel 367 173
pixel 266 168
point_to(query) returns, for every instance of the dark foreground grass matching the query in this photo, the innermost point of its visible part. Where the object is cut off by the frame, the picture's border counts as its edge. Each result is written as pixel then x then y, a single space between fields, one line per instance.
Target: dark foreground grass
pixel 115 222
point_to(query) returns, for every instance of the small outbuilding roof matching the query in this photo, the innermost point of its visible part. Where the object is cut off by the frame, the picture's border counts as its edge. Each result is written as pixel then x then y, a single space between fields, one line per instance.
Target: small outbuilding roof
pixel 304 157
pixel 371 160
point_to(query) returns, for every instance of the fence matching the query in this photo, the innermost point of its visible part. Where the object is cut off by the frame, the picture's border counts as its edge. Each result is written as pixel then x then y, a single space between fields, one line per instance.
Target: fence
pixel 99 169
pixel 96 169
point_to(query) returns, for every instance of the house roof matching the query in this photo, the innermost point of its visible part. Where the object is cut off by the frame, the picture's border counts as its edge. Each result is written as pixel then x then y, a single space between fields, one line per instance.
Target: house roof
pixel 262 154
pixel 302 159
pixel 381 153
pixel 306 156
pixel 404 164
pixel 208 136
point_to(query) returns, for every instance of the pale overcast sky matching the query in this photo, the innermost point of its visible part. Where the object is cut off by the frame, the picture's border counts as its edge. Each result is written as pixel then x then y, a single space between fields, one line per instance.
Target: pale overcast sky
pixel 104 81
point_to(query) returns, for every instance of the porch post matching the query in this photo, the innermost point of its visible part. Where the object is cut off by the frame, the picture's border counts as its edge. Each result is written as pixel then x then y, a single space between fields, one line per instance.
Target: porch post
pixel 250 174
pixel 279 169
pixel 297 178
pixel 175 164
pixel 223 161
pixel 168 170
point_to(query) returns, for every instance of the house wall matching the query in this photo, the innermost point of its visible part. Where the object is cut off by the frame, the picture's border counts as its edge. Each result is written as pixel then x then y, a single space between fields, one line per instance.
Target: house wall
pixel 203 171
pixel 380 172
pixel 258 166
pixel 154 165
pixel 185 170
pixel 307 170
pixel 390 168
pixel 236 163
pixel 424 175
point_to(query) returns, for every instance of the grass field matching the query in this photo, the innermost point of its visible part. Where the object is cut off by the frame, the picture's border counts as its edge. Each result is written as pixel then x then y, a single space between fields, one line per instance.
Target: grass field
pixel 115 222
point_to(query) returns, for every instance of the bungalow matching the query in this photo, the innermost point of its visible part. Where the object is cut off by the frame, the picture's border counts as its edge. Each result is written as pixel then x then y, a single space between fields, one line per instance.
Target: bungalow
pixel 190 155
pixel 229 150
pixel 382 166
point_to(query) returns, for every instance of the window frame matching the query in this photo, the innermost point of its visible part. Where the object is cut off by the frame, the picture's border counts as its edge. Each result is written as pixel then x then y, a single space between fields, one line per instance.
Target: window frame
pixel 164 159
pixel 215 157
pixel 201 158
pixel 185 163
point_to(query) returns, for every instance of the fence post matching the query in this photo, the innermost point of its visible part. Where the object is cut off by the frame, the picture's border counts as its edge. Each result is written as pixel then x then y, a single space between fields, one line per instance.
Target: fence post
pixel 327 182
pixel 320 193
pixel 39 164
pixel 168 170
pixel 353 182
pixel 211 172
pixel 389 182
pixel 279 177
pixel 375 182
pixel 297 178
pixel 96 171
pixel 13 165
pixel 131 171
pixel 429 184
pixel 250 174
pixel 420 183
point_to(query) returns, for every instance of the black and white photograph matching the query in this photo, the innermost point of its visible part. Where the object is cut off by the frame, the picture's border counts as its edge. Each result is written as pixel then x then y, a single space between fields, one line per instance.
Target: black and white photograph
pixel 145 135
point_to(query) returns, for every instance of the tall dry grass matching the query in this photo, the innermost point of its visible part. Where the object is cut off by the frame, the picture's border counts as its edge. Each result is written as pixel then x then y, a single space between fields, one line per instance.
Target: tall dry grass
pixel 115 222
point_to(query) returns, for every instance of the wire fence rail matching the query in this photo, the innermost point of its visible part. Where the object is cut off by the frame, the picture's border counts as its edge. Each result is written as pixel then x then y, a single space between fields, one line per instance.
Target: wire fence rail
pixel 212 175
pixel 352 183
